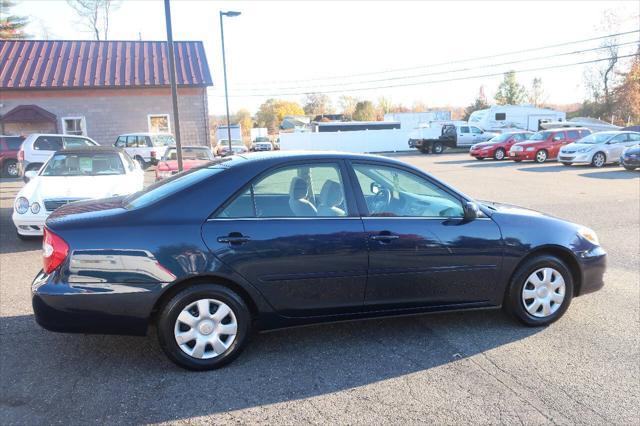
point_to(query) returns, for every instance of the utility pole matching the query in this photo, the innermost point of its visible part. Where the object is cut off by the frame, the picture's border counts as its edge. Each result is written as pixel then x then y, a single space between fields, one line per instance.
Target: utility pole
pixel 224 69
pixel 172 77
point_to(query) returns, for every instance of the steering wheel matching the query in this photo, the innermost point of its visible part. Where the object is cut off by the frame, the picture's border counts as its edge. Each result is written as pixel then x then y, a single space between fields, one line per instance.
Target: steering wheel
pixel 380 201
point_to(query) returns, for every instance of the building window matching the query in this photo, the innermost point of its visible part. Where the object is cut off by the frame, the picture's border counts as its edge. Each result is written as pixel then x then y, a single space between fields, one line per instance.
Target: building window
pixel 159 123
pixel 501 116
pixel 74 126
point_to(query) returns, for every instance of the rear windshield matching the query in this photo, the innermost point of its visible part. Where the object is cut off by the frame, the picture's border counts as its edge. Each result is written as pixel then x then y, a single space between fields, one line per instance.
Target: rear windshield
pixel 170 186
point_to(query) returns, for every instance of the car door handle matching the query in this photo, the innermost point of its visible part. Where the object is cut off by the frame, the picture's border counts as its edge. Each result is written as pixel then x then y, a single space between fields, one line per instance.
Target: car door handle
pixel 234 238
pixel 384 237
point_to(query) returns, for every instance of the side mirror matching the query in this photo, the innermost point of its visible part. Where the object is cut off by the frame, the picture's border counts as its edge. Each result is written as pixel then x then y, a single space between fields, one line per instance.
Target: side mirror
pixel 471 211
pixel 30 174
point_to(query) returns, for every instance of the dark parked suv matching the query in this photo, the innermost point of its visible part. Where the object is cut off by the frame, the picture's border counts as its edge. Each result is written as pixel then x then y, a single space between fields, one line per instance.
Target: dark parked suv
pixel 9 147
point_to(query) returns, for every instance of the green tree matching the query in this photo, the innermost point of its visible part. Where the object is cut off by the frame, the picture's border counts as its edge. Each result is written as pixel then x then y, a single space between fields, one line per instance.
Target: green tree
pixel 510 92
pixel 364 111
pixel 272 111
pixel 11 26
pixel 317 104
pixel 479 103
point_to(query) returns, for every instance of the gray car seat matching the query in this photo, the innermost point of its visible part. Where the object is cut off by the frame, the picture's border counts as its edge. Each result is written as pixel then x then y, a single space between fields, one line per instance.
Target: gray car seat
pixel 330 198
pixel 298 193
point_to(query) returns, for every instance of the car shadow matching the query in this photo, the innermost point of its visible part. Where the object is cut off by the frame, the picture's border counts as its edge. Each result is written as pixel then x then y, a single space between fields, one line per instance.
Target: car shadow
pixel 493 163
pixel 546 168
pixel 128 379
pixel 9 241
pixel 612 174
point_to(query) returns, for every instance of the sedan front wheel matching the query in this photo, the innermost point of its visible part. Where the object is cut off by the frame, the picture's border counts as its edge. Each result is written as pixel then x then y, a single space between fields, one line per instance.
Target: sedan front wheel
pixel 598 160
pixel 541 156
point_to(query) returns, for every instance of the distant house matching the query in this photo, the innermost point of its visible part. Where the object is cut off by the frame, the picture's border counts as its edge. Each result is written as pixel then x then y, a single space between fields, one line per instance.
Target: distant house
pixel 102 88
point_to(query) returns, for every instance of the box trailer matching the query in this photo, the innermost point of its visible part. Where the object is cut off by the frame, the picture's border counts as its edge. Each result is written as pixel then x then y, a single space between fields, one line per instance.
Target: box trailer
pixel 500 118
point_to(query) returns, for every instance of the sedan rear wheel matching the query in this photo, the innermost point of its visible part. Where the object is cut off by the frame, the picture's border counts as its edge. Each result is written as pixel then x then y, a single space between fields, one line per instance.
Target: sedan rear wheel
pixel 203 327
pixel 540 291
pixel 10 169
pixel 541 156
pixel 499 155
pixel 598 159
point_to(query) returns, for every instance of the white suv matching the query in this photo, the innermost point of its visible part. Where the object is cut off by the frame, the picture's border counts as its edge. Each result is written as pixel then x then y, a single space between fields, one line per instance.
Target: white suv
pixel 37 148
pixel 145 148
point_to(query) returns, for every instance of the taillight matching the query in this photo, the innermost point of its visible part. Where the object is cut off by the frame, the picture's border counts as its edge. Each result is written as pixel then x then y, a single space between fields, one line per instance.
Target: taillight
pixel 153 154
pixel 21 155
pixel 54 251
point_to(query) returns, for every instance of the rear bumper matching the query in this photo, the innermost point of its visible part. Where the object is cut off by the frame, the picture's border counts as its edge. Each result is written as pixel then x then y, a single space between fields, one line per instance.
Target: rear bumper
pixel 92 307
pixel 593 264
pixel 630 162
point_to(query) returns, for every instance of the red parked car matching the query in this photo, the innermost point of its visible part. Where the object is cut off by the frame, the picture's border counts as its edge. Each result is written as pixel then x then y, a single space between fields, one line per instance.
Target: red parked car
pixel 9 147
pixel 192 156
pixel 499 146
pixel 545 145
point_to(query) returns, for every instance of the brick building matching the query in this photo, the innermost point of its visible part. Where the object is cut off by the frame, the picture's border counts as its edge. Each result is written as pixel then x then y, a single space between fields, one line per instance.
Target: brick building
pixel 102 88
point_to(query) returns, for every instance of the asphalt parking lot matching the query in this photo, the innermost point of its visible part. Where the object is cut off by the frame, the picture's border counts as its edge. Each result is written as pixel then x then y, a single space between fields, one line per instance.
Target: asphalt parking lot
pixel 478 367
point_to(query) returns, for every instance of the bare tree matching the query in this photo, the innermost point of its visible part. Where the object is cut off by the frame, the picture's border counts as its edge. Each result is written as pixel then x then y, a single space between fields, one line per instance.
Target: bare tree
pixel 536 95
pixel 94 14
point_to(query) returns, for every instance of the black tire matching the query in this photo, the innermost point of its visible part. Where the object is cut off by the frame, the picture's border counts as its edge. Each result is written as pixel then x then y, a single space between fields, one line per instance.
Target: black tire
pixel 140 161
pixel 10 169
pixel 437 148
pixel 599 159
pixel 423 150
pixel 517 160
pixel 513 300
pixel 566 164
pixel 541 156
pixel 500 154
pixel 169 313
pixel 479 158
pixel 631 168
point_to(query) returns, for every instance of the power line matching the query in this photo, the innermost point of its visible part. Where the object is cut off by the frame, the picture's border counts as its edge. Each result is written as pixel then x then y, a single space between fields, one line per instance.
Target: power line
pixel 452 62
pixel 406 77
pixel 420 83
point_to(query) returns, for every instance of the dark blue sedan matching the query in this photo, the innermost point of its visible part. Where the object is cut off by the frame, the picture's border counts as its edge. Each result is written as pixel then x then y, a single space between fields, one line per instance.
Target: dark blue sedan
pixel 263 241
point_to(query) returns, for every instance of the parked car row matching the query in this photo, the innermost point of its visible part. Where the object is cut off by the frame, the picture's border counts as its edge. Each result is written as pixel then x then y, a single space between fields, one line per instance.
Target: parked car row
pixel 567 145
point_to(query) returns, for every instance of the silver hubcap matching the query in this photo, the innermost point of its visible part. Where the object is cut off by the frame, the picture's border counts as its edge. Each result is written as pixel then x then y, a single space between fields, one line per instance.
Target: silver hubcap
pixel 499 154
pixel 543 292
pixel 205 328
pixel 598 160
pixel 541 156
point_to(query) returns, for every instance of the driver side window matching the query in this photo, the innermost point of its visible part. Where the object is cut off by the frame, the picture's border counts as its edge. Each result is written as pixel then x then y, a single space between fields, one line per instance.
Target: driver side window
pixel 392 192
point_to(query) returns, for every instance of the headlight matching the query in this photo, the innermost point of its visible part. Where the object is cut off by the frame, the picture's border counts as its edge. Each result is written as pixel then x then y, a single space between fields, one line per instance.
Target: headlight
pixel 22 205
pixel 585 149
pixel 35 208
pixel 529 149
pixel 589 235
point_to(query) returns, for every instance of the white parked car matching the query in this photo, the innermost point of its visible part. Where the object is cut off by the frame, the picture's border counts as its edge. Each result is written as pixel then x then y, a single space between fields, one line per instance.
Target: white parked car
pixel 73 175
pixel 145 148
pixel 598 149
pixel 37 148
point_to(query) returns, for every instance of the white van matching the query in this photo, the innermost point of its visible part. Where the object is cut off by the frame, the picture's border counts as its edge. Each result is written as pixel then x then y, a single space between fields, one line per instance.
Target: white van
pixel 509 117
pixel 145 148
pixel 37 148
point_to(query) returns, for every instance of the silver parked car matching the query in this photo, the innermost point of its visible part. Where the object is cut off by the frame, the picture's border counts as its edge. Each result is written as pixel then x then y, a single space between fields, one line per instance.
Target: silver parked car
pixel 598 149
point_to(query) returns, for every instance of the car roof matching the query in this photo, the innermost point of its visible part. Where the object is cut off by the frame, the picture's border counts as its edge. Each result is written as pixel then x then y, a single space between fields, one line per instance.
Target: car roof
pixel 90 149
pixel 562 129
pixel 283 157
pixel 145 134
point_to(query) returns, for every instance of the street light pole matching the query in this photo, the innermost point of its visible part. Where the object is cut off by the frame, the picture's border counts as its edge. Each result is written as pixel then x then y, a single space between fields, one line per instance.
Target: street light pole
pixel 172 78
pixel 230 14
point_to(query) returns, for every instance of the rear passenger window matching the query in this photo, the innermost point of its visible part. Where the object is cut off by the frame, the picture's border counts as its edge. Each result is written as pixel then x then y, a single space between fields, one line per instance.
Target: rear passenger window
pixel 634 137
pixel 314 190
pixel 464 129
pixel 48 143
pixel 573 134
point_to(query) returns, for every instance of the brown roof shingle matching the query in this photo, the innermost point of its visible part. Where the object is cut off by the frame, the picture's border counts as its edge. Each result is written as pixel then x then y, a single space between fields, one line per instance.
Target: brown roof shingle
pixel 56 64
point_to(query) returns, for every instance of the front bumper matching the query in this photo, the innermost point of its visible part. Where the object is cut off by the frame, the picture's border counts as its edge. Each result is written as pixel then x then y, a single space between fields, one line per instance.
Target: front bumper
pixel 593 264
pixel 481 153
pixel 575 158
pixel 28 224
pixel 103 308
pixel 522 155
pixel 630 161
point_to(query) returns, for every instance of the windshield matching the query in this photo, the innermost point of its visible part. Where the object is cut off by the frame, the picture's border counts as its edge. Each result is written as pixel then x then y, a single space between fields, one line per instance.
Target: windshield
pixel 540 136
pixel 501 138
pixel 262 139
pixel 163 140
pixel 477 116
pixel 89 164
pixel 596 138
pixel 189 154
pixel 234 142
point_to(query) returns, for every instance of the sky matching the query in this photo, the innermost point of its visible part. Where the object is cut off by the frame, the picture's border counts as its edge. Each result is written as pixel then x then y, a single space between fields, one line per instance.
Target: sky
pixel 284 49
